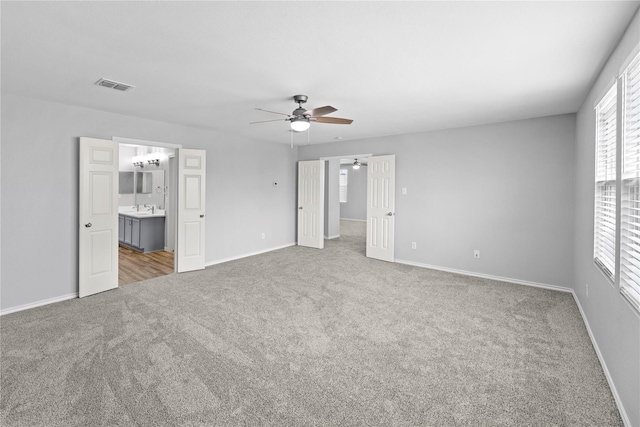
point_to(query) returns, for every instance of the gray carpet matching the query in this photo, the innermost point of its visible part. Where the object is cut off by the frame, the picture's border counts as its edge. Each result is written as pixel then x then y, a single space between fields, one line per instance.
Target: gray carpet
pixel 304 337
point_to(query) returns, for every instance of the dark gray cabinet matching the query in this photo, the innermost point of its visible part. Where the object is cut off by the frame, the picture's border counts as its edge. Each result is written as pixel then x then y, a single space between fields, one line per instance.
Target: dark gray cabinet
pixel 120 228
pixel 135 233
pixel 142 234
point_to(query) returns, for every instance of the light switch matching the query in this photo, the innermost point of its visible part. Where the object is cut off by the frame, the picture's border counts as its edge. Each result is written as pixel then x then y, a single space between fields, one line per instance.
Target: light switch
pixel 404 191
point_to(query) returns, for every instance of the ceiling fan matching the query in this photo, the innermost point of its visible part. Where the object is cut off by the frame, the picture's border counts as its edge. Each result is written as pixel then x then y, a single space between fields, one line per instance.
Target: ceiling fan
pixel 357 164
pixel 300 119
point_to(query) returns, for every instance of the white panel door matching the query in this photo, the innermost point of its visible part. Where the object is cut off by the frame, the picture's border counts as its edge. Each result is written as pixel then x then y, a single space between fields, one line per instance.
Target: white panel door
pixel 98 216
pixel 191 209
pixel 311 204
pixel 381 184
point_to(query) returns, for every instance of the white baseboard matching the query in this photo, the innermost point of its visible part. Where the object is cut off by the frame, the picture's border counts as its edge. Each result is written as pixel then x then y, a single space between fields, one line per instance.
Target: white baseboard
pixel 487 276
pixel 353 219
pixel 38 303
pixel 612 386
pixel 75 295
pixel 233 258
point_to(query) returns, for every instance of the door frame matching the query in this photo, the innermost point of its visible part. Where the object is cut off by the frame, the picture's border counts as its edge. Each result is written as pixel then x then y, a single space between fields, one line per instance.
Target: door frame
pixel 174 208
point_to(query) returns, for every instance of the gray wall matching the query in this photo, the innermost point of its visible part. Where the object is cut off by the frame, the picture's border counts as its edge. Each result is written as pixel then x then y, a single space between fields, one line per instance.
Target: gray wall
pixel 126 154
pixel 40 156
pixel 613 323
pixel 356 206
pixel 332 199
pixel 505 189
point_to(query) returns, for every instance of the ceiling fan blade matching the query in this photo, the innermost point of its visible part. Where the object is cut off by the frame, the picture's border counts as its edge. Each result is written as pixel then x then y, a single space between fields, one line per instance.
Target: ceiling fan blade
pixel 265 121
pixel 274 112
pixel 334 120
pixel 321 111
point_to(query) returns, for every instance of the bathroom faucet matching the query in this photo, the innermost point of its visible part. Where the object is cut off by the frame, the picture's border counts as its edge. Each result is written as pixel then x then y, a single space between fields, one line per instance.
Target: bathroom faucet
pixel 151 208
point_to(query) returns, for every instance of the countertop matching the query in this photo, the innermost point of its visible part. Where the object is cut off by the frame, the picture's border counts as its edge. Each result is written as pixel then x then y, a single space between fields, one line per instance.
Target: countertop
pixel 143 213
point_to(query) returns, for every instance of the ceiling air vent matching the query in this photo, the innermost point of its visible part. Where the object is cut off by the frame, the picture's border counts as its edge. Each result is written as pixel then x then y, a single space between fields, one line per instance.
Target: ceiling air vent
pixel 114 85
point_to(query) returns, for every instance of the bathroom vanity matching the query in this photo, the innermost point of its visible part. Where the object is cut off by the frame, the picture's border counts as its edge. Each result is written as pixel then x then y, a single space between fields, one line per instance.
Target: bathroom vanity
pixel 142 231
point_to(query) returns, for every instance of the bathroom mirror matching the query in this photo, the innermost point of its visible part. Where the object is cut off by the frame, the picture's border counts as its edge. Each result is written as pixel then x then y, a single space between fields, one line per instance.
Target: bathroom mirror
pixel 150 188
pixel 144 182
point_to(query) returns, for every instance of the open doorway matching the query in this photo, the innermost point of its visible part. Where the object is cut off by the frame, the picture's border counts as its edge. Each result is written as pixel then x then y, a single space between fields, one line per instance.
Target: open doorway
pixel 353 199
pixel 378 194
pixel 346 198
pixel 353 189
pixel 102 226
pixel 345 191
pixel 146 212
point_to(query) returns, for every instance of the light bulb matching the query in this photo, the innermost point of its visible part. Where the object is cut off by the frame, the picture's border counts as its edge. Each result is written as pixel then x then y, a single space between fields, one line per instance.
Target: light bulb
pixel 300 125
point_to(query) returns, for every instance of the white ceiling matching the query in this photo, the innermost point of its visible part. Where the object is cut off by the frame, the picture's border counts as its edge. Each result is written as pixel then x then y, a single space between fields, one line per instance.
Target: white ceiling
pixel 393 67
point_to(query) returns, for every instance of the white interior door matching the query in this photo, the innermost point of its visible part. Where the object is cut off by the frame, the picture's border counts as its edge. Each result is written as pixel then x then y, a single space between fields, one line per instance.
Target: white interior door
pixel 381 184
pixel 191 209
pixel 311 203
pixel 98 216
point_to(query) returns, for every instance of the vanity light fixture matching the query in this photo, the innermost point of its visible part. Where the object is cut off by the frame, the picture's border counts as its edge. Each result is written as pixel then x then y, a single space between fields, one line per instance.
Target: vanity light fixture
pixel 138 161
pixel 154 162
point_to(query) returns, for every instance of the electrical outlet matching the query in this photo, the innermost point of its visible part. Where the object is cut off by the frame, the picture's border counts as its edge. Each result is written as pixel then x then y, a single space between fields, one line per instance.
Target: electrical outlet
pixel 587 285
pixel 413 245
pixel 263 236
pixel 476 253
pixel 404 191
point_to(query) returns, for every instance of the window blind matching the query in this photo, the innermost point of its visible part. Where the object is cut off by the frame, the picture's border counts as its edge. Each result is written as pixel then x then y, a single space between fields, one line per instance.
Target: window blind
pixel 605 198
pixel 343 185
pixel 630 239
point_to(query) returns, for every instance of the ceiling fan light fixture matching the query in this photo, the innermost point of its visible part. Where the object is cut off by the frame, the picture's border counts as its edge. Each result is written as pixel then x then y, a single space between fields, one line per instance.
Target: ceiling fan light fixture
pixel 356 164
pixel 299 124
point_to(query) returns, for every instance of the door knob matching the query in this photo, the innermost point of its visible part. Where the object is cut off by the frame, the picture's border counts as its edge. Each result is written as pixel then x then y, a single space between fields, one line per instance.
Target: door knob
pixel 390 214
pixel 300 208
pixel 202 216
pixel 88 225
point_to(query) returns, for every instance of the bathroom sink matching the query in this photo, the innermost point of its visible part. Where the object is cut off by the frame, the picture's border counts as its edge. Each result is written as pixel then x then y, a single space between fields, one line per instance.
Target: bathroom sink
pixel 143 212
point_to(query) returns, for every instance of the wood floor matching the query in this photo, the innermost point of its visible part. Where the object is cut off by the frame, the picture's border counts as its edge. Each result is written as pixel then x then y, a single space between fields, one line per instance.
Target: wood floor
pixel 136 266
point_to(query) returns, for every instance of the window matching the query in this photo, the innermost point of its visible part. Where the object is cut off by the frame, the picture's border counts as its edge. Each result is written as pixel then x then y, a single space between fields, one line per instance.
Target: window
pixel 343 185
pixel 617 197
pixel 604 244
pixel 630 220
